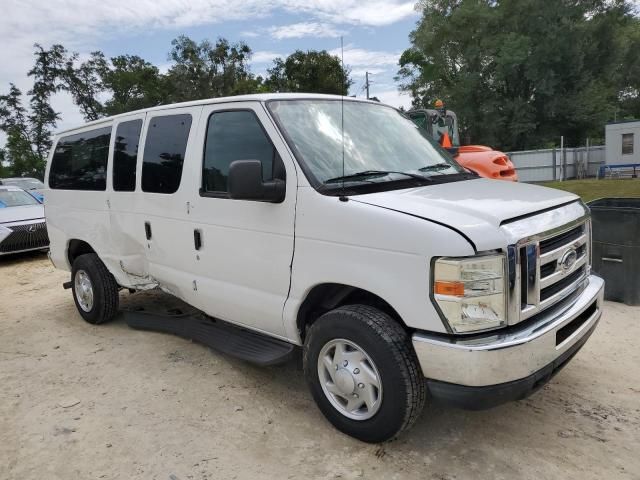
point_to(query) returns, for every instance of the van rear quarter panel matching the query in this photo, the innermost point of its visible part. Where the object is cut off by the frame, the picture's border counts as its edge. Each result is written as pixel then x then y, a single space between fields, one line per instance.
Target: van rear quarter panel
pixel 75 214
pixel 385 252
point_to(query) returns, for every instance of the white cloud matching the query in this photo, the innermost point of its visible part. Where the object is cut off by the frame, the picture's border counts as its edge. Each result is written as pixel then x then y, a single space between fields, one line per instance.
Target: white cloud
pixel 394 98
pixel 361 72
pixel 359 57
pixel 265 56
pixel 305 29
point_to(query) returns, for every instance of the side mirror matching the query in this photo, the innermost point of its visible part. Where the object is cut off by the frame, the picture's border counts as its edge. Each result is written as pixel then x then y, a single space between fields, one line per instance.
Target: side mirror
pixel 245 183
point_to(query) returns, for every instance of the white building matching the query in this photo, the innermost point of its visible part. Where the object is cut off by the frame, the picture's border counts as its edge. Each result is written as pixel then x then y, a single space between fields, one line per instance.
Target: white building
pixel 622 142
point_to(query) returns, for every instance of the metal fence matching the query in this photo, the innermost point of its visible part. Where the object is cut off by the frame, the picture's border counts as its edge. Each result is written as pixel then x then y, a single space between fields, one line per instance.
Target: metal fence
pixel 556 164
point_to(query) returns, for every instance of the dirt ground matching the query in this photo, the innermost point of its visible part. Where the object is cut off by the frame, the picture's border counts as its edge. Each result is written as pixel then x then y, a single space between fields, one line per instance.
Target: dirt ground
pixel 84 402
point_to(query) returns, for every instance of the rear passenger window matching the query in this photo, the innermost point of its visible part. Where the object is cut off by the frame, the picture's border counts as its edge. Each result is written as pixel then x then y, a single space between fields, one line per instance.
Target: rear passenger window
pixel 164 151
pixel 125 153
pixel 80 161
pixel 234 135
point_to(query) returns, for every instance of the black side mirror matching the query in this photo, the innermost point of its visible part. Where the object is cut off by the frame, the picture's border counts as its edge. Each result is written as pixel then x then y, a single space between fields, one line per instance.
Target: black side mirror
pixel 245 183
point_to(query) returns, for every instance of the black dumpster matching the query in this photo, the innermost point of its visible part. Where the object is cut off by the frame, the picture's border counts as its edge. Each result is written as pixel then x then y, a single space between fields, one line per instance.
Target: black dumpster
pixel 616 247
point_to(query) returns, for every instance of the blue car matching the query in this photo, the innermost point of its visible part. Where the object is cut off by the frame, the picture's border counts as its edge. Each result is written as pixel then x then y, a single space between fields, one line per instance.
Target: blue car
pixel 31 185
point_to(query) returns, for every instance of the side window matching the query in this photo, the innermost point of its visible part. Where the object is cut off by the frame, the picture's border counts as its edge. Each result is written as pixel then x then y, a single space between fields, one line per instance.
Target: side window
pixel 125 153
pixel 235 135
pixel 80 161
pixel 627 143
pixel 164 151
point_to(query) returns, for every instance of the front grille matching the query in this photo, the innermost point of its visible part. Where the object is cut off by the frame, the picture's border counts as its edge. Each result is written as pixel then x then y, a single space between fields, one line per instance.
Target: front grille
pixel 549 268
pixel 560 285
pixel 25 237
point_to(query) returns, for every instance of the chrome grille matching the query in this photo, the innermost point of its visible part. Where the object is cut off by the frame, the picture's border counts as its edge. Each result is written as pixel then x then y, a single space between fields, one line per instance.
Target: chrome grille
pixel 25 237
pixel 548 267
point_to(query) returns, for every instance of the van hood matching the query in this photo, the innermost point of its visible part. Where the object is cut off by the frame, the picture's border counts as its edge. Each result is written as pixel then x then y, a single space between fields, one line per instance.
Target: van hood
pixel 476 208
pixel 23 213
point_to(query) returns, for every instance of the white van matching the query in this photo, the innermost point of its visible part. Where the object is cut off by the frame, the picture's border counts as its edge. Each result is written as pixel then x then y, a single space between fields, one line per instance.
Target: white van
pixel 336 225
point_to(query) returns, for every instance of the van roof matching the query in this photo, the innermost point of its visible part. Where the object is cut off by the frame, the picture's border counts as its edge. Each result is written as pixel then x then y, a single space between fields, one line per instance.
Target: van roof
pixel 259 97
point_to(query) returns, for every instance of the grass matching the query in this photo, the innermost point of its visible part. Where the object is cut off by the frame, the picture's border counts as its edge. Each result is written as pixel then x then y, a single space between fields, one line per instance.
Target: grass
pixel 592 189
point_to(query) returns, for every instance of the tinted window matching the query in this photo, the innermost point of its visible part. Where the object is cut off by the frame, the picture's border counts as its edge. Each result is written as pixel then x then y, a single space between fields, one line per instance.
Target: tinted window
pixel 80 161
pixel 164 151
pixel 125 153
pixel 235 135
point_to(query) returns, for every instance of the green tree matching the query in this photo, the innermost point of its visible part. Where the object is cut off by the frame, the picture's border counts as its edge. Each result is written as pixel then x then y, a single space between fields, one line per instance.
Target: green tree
pixel 46 74
pixel 20 156
pixel 133 84
pixel 311 71
pixel 205 70
pixel 520 73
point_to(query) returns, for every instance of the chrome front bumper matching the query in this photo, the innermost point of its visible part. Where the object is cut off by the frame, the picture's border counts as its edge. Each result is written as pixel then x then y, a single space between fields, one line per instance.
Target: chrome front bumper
pixel 515 354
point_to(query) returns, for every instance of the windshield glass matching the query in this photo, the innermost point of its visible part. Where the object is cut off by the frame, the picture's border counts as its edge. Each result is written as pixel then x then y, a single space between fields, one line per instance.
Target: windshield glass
pixel 376 139
pixel 16 198
pixel 25 183
pixel 437 124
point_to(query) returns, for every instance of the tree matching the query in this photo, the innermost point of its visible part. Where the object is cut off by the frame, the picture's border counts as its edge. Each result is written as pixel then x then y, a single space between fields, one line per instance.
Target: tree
pixel 19 154
pixel 133 83
pixel 521 73
pixel 46 74
pixel 311 71
pixel 204 70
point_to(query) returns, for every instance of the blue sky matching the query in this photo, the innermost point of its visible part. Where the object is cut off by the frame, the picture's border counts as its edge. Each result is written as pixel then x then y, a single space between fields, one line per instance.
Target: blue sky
pixel 375 34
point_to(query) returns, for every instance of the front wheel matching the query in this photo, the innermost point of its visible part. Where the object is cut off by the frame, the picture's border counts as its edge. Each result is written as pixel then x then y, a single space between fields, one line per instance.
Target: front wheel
pixel 95 291
pixel 363 373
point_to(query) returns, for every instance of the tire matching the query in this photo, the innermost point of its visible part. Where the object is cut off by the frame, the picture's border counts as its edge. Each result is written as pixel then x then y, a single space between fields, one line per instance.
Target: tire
pixel 358 330
pixel 95 291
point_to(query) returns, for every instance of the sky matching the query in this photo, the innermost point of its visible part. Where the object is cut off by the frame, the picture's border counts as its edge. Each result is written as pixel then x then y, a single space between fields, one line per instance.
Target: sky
pixel 374 33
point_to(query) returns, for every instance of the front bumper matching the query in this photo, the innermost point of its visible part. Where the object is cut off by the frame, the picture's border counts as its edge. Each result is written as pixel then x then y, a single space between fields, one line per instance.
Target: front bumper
pixel 488 369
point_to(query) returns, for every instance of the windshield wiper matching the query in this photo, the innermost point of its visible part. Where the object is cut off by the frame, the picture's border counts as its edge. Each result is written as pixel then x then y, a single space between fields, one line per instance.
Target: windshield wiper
pixel 435 166
pixel 374 173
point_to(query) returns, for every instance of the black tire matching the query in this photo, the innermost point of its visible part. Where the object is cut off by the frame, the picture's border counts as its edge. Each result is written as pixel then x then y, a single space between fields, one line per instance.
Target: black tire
pixel 389 347
pixel 105 289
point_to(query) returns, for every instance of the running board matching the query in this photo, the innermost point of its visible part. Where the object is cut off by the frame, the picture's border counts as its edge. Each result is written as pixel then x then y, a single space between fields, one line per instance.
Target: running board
pixel 219 335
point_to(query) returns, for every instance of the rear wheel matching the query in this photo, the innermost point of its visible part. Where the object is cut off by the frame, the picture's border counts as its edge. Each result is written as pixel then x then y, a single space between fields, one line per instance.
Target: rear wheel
pixel 95 291
pixel 363 373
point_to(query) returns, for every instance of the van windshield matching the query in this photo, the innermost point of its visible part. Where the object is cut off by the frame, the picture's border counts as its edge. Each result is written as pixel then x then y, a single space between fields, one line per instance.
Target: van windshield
pixel 380 144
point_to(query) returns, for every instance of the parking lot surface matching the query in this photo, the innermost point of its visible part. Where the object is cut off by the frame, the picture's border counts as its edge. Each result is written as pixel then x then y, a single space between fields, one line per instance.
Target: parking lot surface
pixel 106 402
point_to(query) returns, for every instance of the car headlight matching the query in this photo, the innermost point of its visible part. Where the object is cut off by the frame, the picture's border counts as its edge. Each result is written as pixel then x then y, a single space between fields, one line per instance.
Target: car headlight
pixel 470 292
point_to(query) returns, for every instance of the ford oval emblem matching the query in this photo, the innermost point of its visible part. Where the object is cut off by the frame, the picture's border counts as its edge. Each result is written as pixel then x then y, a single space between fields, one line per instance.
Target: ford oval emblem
pixel 569 259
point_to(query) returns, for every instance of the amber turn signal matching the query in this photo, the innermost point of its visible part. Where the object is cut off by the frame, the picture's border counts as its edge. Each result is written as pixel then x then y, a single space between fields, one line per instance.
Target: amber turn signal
pixel 455 289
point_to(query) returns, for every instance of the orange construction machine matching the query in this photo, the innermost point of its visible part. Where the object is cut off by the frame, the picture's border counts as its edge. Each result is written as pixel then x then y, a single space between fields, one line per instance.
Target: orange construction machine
pixel 442 125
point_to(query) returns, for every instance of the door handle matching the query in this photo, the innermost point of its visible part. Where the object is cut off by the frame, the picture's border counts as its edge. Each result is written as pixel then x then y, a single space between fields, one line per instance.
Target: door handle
pixel 197 239
pixel 147 230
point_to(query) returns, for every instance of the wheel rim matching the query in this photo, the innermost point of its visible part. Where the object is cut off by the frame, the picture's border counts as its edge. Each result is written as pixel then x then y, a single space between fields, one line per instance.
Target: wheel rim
pixel 84 290
pixel 349 379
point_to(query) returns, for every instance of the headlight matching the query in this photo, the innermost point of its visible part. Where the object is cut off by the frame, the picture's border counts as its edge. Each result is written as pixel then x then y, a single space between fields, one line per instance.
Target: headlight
pixel 471 292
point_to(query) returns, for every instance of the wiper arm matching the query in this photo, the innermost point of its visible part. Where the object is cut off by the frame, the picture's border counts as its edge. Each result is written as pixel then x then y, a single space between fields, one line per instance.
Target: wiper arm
pixel 435 166
pixel 374 173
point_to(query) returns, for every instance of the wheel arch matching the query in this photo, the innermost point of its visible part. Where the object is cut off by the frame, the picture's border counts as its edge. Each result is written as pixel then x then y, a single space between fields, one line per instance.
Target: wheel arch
pixel 77 247
pixel 328 296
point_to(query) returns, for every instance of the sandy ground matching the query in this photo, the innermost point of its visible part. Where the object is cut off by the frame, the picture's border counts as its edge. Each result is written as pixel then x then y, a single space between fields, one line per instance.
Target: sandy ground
pixel 79 401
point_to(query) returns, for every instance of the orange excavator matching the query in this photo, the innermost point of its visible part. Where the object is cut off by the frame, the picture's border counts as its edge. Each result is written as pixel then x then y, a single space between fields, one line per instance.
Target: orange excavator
pixel 442 125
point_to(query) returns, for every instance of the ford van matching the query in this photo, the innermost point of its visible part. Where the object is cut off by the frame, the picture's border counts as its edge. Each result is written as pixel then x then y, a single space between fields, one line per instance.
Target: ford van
pixel 335 226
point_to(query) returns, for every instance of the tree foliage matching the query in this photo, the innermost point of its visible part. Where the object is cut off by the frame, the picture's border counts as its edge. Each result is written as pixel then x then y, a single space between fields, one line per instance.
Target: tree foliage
pixel 311 71
pixel 521 73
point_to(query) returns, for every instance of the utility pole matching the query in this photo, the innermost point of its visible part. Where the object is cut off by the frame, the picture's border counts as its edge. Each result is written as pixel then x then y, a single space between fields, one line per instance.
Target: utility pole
pixel 366 83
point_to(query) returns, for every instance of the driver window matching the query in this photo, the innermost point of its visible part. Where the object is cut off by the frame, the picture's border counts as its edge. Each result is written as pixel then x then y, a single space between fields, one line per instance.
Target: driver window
pixel 236 135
